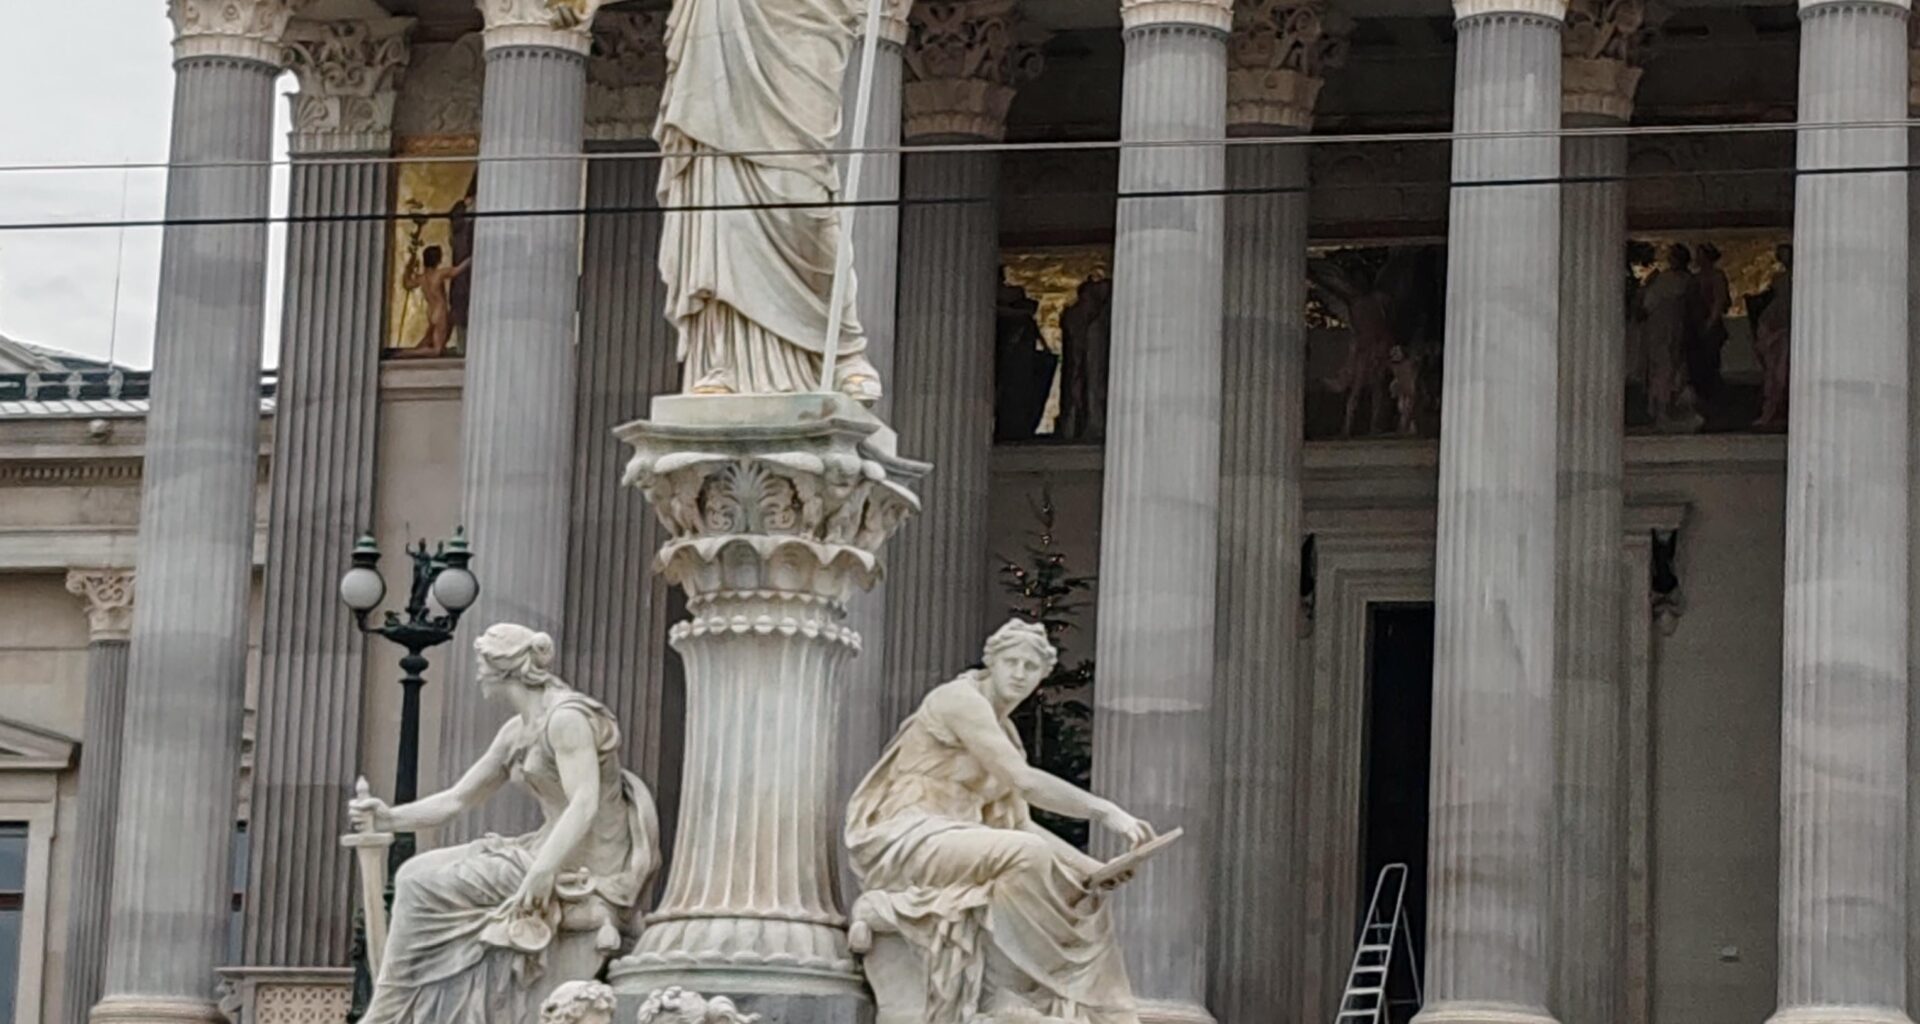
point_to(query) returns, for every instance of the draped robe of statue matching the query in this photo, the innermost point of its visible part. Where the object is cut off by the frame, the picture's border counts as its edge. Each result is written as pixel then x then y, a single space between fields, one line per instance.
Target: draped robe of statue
pixel 749 238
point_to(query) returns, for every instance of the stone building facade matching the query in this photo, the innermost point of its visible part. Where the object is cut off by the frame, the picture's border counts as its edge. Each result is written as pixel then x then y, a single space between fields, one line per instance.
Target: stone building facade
pixel 1439 513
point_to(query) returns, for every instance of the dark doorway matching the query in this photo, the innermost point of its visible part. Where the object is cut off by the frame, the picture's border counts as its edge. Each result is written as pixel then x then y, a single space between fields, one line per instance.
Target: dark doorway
pixel 1399 739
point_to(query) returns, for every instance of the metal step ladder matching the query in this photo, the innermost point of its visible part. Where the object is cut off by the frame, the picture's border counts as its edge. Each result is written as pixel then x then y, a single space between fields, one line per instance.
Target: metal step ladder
pixel 1365 1000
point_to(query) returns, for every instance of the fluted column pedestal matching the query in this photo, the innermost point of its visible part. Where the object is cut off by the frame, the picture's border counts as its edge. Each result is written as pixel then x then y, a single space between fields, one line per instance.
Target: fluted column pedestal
pixel 1153 719
pixel 864 726
pixel 964 64
pixel 1589 879
pixel 186 676
pixel 1493 762
pixel 776 507
pixel 1843 769
pixel 299 907
pixel 109 604
pixel 517 436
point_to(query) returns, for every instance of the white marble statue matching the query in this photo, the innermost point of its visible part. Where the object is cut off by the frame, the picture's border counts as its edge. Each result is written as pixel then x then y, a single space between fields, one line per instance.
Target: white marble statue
pixel 475 926
pixel 749 240
pixel 972 911
pixel 676 1005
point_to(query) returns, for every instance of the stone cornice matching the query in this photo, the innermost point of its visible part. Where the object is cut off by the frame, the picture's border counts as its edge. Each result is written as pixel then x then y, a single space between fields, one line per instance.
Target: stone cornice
pixel 1213 14
pixel 1555 10
pixel 625 74
pixel 560 24
pixel 239 29
pixel 1604 46
pixel 964 61
pixel 1277 59
pixel 349 74
pixel 109 597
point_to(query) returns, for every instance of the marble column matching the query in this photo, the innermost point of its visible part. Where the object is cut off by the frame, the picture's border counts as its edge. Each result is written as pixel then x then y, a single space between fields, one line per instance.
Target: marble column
pixel 1154 716
pixel 1843 769
pixel 964 62
pixel 517 438
pixel 109 599
pixel 1492 798
pixel 614 640
pixel 1276 59
pixel 306 750
pixel 876 252
pixel 1588 886
pixel 1913 543
pixel 186 675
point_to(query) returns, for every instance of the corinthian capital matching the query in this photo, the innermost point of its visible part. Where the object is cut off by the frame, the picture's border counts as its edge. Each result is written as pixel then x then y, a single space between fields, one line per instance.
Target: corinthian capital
pixel 1213 14
pixel 1604 45
pixel 109 597
pixel 244 29
pixel 349 73
pixel 964 60
pixel 1277 59
pixel 625 75
pixel 561 24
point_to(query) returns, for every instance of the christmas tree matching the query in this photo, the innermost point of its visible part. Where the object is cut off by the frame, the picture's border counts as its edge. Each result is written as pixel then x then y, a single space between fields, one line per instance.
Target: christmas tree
pixel 1056 723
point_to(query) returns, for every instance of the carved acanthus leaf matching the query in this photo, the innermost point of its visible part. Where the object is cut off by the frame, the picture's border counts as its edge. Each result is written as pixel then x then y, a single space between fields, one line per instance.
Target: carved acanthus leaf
pixel 964 59
pixel 565 24
pixel 441 93
pixel 1278 57
pixel 109 597
pixel 1604 44
pixel 246 29
pixel 625 74
pixel 349 73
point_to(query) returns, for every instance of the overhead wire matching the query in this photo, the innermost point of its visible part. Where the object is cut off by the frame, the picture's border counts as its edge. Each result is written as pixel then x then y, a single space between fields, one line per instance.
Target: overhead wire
pixel 1052 145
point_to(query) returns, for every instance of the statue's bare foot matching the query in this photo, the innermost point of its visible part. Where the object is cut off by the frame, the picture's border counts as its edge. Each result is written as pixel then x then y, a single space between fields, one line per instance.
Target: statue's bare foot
pixel 861 388
pixel 717 381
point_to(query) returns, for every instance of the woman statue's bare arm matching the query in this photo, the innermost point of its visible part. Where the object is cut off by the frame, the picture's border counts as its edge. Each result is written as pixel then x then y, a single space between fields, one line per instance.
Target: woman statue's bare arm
pixel 474 788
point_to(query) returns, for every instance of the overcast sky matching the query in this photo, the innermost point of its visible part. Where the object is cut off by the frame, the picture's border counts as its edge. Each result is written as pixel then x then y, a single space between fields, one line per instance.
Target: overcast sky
pixel 90 81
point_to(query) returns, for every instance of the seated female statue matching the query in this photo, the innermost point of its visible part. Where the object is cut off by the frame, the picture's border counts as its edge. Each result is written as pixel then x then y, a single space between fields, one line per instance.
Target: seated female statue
pixel 999 909
pixel 472 924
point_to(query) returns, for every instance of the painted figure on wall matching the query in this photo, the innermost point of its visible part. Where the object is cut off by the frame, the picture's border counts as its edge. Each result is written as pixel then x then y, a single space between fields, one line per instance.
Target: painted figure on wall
pixel 1086 330
pixel 1772 337
pixel 1707 334
pixel 431 284
pixel 1387 301
pixel 1023 366
pixel 748 247
pixel 1666 298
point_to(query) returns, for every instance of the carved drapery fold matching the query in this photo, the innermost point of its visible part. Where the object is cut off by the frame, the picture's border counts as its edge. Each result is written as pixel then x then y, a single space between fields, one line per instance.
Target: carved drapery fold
pixel 625 74
pixel 242 29
pixel 1277 59
pixel 349 74
pixel 964 61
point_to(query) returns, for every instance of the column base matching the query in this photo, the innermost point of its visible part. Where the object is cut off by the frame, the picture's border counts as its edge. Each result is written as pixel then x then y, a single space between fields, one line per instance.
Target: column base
pixel 1157 1012
pixel 1482 1013
pixel 155 1010
pixel 1838 1015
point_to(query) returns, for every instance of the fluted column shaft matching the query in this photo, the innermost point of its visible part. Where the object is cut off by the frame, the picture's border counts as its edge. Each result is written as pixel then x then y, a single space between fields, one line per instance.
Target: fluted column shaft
pixel 306 751
pixel 616 611
pixel 1263 361
pixel 1913 567
pixel 1494 567
pixel 518 416
pixel 1153 724
pixel 1589 880
pixel 109 596
pixel 949 273
pixel 186 677
pixel 864 726
pixel 1843 765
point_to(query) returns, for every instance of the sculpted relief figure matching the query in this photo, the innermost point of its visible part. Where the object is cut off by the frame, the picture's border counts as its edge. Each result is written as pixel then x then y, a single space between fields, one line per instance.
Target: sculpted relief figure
pixel 972 912
pixel 747 249
pixel 477 929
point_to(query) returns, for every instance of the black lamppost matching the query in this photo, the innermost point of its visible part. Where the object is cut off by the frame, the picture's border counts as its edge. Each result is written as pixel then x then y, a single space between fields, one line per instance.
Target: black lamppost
pixel 439 578
pixel 443 577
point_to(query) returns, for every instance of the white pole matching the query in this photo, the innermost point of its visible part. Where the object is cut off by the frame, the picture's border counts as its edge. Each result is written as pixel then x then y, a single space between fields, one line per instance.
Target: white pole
pixel 843 252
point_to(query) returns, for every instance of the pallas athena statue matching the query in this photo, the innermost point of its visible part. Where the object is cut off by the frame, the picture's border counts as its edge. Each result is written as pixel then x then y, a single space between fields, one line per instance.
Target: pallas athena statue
pixel 1001 919
pixel 750 238
pixel 473 924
